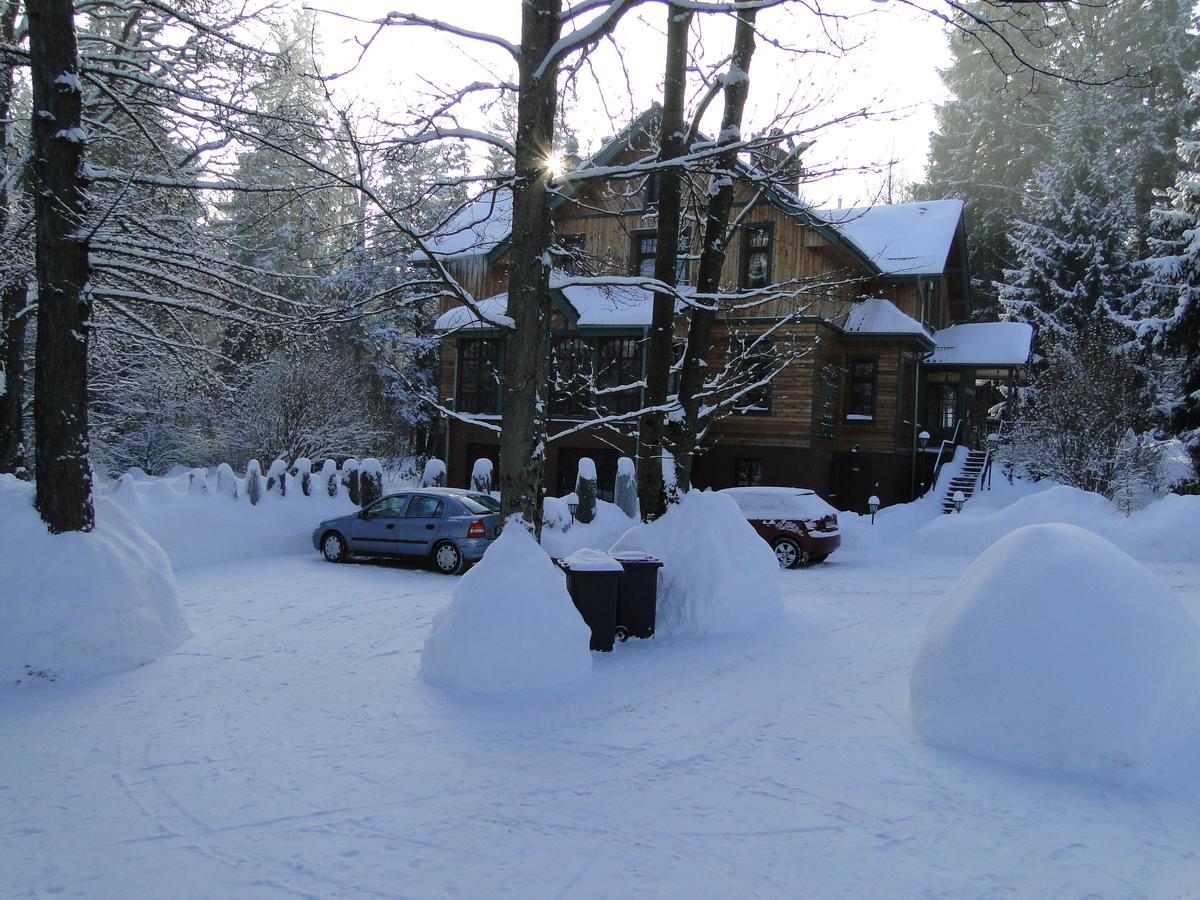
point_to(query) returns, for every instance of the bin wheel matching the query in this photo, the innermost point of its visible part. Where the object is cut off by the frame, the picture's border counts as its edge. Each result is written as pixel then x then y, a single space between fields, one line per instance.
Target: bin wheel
pixel 622 634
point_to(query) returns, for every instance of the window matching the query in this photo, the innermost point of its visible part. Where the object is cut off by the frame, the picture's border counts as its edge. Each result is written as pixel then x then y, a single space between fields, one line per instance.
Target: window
pixel 683 264
pixel 619 362
pixel 568 253
pixel 943 405
pixel 479 376
pixel 645 250
pixel 479 504
pixel 757 241
pixel 652 191
pixel 756 362
pixel 388 508
pixel 860 396
pixel 572 377
pixel 424 507
pixel 747 472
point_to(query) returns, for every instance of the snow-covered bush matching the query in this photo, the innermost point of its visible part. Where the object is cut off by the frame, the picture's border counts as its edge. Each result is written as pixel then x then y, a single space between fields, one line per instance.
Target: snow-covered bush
pixel 78 605
pixel 277 478
pixel 560 538
pixel 227 482
pixel 370 482
pixel 329 478
pixel 302 472
pixel 434 474
pixel 718 575
pixel 481 476
pixel 198 482
pixel 1057 650
pixel 254 482
pixel 510 626
pixel 350 479
pixel 625 490
pixel 585 490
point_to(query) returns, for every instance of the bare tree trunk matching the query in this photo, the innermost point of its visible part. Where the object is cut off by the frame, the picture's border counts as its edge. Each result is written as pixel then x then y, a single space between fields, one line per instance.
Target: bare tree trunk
pixel 13 317
pixel 685 435
pixel 64 483
pixel 12 350
pixel 672 145
pixel 527 349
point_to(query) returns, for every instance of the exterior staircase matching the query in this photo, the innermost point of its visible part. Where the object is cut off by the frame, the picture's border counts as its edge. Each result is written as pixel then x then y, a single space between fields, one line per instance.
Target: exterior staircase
pixel 967 480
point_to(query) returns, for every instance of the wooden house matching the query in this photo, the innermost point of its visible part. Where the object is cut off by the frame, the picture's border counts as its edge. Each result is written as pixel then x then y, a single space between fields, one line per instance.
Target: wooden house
pixel 883 354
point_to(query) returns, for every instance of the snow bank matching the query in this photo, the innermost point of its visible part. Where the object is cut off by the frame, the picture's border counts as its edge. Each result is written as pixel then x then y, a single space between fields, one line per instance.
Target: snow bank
pixel 718 575
pixel 80 605
pixel 510 626
pixel 1056 650
pixel 1164 530
pixel 200 530
pixel 560 538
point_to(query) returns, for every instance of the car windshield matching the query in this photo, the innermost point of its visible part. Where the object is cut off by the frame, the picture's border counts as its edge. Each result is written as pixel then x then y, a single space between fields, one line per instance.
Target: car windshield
pixel 479 504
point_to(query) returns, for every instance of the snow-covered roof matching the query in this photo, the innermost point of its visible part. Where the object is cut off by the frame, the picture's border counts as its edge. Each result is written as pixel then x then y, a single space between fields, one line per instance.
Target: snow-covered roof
pixel 476 229
pixel 613 305
pixel 982 344
pixel 902 239
pixel 879 316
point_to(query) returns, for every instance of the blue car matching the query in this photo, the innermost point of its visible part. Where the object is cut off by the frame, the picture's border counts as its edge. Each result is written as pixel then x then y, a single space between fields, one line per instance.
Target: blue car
pixel 448 527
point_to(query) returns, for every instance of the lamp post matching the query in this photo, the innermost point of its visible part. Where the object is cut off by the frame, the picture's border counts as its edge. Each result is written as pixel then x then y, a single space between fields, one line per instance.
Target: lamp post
pixel 958 499
pixel 572 507
pixel 873 505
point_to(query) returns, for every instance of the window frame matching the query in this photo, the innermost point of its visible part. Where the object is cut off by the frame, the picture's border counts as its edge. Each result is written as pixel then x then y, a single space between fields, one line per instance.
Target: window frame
pixel 747 463
pixel 748 230
pixel 851 413
pixel 765 356
pixel 464 361
pixel 636 258
pixel 439 509
pixel 629 371
pixel 564 405
pixel 571 248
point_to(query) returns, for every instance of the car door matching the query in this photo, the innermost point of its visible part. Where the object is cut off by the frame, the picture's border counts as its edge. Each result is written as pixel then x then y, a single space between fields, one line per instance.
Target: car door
pixel 421 524
pixel 377 529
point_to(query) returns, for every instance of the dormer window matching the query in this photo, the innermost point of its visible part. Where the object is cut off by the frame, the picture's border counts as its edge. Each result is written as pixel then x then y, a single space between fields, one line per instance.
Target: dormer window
pixel 757 246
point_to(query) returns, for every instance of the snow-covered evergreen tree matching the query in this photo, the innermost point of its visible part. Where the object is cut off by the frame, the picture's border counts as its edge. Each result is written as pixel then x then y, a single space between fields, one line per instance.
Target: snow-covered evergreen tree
pixel 1170 294
pixel 1073 245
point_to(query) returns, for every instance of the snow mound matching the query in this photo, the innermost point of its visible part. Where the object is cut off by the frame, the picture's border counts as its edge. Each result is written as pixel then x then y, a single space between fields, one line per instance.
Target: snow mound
pixel 80 605
pixel 1167 529
pixel 718 575
pixel 510 626
pixel 561 538
pixel 1058 651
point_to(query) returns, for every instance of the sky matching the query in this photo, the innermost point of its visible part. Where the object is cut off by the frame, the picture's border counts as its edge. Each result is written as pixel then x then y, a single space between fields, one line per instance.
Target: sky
pixel 889 64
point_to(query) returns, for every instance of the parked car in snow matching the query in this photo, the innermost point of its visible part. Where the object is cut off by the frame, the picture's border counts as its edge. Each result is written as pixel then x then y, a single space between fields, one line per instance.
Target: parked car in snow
pixel 447 526
pixel 800 527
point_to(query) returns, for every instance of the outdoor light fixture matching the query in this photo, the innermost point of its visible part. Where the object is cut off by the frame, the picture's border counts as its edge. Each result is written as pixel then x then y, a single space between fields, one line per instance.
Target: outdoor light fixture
pixel 923 438
pixel 572 508
pixel 959 499
pixel 873 505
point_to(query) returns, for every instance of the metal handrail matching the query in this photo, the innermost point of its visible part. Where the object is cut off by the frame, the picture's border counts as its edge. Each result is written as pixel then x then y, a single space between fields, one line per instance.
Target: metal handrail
pixel 937 466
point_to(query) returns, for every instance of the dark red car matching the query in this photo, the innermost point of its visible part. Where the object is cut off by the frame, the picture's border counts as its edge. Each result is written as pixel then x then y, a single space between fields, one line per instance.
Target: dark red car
pixel 800 527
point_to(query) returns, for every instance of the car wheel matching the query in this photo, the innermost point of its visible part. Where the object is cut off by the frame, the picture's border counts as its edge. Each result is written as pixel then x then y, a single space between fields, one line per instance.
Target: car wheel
pixel 447 558
pixel 789 553
pixel 333 547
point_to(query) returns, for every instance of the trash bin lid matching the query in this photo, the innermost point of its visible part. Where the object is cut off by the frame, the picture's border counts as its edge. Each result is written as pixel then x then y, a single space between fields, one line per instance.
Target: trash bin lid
pixel 635 556
pixel 588 560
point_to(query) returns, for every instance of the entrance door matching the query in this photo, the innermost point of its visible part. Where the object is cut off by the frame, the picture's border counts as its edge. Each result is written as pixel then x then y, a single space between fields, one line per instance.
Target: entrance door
pixel 852 481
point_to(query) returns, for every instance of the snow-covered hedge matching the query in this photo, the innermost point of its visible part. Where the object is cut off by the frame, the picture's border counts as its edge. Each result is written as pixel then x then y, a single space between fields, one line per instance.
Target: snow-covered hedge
pixel 78 605
pixel 718 575
pixel 1057 650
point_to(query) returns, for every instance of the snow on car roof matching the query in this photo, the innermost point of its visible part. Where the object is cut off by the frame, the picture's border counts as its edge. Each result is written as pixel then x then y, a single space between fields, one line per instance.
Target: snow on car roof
pixel 903 238
pixel 761 502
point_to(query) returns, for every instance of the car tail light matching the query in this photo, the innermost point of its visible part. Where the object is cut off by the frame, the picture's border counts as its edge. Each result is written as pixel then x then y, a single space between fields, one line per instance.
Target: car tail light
pixel 477 529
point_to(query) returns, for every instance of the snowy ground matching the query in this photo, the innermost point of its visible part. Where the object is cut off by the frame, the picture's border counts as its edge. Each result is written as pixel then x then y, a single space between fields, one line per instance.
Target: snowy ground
pixel 289 749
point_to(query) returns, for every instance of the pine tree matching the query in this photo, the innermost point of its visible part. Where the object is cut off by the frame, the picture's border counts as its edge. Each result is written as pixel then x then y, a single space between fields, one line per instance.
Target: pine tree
pixel 1073 244
pixel 1170 294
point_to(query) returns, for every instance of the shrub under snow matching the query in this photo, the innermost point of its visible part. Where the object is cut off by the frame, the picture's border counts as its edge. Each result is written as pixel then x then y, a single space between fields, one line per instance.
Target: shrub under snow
pixel 718 575
pixel 1057 650
pixel 510 626
pixel 79 605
